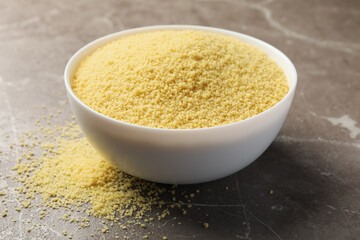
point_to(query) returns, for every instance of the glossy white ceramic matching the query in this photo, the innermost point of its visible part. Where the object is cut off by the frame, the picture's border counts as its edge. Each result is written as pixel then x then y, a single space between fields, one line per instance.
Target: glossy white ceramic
pixel 181 156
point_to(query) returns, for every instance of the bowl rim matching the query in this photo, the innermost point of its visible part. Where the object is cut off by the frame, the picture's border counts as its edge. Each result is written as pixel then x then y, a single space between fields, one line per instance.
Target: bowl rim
pixel 127 32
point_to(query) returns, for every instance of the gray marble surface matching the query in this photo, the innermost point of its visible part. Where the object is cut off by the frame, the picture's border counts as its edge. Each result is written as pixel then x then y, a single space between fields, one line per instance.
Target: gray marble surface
pixel 312 168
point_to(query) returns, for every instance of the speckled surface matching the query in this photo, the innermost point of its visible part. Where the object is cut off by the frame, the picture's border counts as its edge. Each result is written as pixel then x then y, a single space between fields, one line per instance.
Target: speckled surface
pixel 312 169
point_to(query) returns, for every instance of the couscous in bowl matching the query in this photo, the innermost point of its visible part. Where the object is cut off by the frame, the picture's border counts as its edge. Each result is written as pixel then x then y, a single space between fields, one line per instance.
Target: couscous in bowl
pixel 181 156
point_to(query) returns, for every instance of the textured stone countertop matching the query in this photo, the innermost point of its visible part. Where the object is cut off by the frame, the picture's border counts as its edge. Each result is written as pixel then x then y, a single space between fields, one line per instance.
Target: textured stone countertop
pixel 305 186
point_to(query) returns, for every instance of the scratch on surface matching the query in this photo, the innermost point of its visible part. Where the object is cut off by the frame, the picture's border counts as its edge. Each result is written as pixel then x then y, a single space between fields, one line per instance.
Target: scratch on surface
pixel 207 205
pixel 187 237
pixel 332 44
pixel 103 20
pixel 343 214
pixel 8 105
pixel 230 212
pixel 3 183
pixel 24 23
pixel 20 225
pixel 324 73
pixel 315 140
pixel 346 47
pixel 164 224
pixel 325 174
pixel 261 222
pixel 44 228
pixel 7 231
pixel 277 207
pixel 345 122
pixel 312 223
pixel 109 15
pixel 331 207
pixel 248 226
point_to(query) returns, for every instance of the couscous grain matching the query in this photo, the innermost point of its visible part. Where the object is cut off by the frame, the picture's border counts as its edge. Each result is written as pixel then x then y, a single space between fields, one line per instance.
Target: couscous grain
pixel 179 79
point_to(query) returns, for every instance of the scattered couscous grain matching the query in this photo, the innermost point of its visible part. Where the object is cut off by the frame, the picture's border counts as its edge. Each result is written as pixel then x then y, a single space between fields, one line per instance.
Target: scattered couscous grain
pixel 77 174
pixel 26 203
pixel 72 178
pixel 180 79
pixel 105 229
pixel 206 225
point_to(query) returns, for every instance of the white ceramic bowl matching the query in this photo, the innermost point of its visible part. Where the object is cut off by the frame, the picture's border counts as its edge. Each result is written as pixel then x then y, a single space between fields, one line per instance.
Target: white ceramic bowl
pixel 181 156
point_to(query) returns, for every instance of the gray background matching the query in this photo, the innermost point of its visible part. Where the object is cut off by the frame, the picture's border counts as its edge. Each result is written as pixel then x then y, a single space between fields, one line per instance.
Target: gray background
pixel 312 166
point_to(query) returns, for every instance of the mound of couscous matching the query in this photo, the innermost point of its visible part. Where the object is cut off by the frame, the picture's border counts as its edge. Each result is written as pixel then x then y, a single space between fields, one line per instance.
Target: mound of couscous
pixel 179 79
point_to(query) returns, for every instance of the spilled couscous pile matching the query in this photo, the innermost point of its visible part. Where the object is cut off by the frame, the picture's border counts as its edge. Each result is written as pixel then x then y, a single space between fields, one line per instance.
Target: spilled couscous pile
pixel 71 173
pixel 58 170
pixel 179 79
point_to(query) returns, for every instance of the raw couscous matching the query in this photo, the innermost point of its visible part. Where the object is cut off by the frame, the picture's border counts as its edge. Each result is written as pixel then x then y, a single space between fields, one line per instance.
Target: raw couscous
pixel 179 79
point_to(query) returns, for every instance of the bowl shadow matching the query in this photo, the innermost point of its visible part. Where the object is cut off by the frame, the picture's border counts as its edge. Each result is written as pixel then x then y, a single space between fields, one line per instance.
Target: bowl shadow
pixel 282 195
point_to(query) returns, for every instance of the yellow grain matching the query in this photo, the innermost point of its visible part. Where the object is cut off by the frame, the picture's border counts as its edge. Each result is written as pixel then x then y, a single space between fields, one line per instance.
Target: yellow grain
pixel 206 225
pixel 179 80
pixel 75 174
